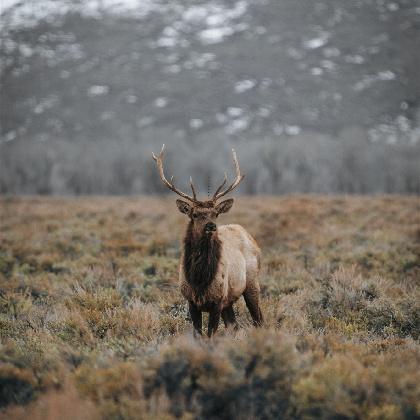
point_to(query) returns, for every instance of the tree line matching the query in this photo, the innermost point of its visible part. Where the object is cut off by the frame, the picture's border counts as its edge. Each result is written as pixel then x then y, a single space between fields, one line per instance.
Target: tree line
pixel 308 163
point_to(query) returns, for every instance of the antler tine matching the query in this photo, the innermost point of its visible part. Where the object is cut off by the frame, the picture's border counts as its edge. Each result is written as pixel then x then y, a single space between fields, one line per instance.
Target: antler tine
pixel 193 189
pixel 170 184
pixel 160 154
pixel 235 183
pixel 221 186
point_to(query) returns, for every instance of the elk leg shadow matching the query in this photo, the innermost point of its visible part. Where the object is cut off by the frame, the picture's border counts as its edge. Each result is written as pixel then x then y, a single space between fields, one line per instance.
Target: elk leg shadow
pixel 251 297
pixel 196 318
pixel 229 318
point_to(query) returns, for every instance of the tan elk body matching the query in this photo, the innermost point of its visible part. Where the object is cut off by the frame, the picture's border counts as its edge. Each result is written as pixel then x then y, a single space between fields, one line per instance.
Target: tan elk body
pixel 219 264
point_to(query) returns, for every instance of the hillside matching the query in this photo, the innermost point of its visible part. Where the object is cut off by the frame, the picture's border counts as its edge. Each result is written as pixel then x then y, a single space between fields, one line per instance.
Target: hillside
pixel 240 65
pixel 93 325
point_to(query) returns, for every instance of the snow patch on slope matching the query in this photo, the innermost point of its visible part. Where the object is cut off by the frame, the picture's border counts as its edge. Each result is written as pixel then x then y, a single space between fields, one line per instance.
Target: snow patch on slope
pixel 27 13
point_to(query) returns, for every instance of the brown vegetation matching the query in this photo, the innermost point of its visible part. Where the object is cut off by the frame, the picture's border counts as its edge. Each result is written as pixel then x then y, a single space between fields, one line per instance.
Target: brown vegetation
pixel 92 320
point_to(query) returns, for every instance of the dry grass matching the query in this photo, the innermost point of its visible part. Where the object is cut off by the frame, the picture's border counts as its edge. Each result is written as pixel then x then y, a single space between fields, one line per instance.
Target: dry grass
pixel 92 323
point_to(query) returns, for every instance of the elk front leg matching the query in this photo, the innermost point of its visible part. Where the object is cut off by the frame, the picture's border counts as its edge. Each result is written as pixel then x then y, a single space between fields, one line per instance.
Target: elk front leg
pixel 196 318
pixel 214 319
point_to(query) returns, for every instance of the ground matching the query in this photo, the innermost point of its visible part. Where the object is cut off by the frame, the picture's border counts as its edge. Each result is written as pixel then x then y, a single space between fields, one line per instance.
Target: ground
pixel 93 325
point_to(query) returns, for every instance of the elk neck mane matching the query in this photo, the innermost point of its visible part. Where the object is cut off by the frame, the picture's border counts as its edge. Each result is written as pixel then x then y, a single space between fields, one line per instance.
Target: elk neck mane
pixel 201 259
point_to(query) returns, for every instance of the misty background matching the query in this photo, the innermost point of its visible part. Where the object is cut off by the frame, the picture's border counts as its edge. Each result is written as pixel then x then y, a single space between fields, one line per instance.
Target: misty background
pixel 315 96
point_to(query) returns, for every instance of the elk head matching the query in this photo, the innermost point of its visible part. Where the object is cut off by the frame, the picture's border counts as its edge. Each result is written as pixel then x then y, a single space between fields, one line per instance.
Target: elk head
pixel 202 214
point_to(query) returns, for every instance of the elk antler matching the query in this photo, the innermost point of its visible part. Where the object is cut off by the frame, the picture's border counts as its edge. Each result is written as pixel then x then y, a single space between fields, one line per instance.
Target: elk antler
pixel 170 184
pixel 219 193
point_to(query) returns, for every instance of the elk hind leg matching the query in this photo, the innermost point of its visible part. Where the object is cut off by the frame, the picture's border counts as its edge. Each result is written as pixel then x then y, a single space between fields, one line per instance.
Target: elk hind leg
pixel 229 318
pixel 252 300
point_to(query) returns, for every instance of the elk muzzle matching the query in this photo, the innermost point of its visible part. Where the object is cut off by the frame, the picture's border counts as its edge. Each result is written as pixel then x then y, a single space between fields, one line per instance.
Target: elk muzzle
pixel 210 227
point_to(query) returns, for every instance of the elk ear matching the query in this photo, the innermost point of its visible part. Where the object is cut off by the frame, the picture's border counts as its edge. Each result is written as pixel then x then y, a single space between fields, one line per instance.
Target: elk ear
pixel 224 206
pixel 183 206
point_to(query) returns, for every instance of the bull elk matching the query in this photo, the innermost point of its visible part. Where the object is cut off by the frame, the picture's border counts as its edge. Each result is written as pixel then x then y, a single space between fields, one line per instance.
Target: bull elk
pixel 219 263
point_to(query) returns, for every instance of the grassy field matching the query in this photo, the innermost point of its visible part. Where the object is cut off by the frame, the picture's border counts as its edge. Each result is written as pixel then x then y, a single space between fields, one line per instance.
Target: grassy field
pixel 93 325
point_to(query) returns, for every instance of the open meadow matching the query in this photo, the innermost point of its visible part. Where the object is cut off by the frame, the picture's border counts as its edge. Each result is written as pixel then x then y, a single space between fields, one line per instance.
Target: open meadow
pixel 92 323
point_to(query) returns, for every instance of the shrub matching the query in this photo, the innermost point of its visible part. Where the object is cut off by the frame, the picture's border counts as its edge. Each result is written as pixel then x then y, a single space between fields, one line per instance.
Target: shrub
pixel 6 265
pixel 26 369
pixel 338 388
pixel 249 379
pixel 116 389
pixel 350 386
pixel 17 386
pixel 352 304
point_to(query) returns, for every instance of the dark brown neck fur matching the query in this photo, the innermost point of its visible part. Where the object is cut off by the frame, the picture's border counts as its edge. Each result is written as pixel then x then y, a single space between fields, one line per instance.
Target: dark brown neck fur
pixel 201 259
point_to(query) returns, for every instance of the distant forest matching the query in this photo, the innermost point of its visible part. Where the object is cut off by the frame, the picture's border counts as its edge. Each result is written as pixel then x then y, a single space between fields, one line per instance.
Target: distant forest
pixel 308 163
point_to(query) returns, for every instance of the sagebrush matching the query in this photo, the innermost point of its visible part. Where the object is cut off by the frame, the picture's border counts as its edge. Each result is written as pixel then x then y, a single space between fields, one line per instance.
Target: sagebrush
pixel 93 325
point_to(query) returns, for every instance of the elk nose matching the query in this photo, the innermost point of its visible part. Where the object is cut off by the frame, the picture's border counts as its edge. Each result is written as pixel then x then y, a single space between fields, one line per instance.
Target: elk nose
pixel 210 227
